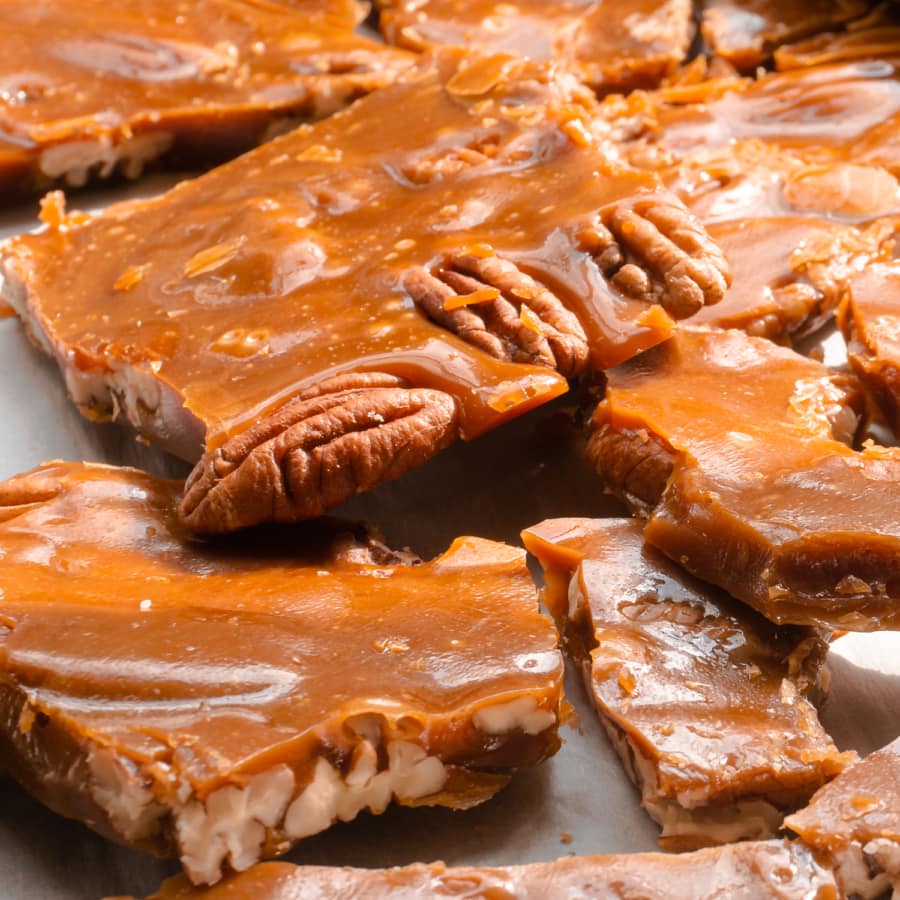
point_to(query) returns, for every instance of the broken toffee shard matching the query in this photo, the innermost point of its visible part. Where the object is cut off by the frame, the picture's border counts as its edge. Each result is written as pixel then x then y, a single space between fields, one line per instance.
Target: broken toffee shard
pixel 220 702
pixel 754 870
pixel 853 824
pixel 701 696
pixel 89 87
pixel 869 318
pixel 737 451
pixel 337 306
pixel 609 46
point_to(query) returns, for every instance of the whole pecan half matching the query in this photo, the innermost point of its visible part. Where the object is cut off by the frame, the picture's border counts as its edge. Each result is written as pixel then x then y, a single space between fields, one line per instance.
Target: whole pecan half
pixel 343 436
pixel 512 316
pixel 653 249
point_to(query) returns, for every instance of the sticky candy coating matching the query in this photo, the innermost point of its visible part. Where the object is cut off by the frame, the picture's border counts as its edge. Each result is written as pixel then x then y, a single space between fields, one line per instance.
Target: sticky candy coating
pixel 220 701
pixel 684 677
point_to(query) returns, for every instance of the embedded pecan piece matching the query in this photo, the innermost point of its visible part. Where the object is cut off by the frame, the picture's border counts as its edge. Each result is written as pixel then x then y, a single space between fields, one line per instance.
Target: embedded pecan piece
pixel 511 315
pixel 654 249
pixel 25 492
pixel 342 437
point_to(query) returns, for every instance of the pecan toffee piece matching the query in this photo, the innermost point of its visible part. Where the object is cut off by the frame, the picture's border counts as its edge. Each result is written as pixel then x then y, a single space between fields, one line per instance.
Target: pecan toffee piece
pixel 854 824
pixel 754 870
pixel 745 32
pixel 783 225
pixel 870 320
pixel 609 46
pixel 89 86
pixel 735 449
pixel 333 308
pixel 220 702
pixel 684 677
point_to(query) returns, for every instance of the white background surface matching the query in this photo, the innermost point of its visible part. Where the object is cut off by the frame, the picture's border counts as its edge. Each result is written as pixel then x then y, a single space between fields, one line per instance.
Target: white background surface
pixel 494 487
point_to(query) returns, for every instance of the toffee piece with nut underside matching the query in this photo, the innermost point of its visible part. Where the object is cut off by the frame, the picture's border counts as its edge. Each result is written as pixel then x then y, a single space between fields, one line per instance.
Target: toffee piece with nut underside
pixel 219 702
pixel 853 824
pixel 768 870
pixel 609 46
pixel 89 88
pixel 739 453
pixel 332 309
pixel 685 677
pixel 869 318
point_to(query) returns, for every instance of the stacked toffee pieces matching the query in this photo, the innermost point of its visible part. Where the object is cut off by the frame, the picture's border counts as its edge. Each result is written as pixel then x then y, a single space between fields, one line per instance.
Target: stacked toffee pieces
pixel 210 670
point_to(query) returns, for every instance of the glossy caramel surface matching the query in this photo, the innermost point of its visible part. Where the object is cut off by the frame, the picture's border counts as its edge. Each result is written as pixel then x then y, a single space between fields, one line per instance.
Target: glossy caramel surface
pixel 691 676
pixel 764 869
pixel 861 804
pixel 628 43
pixel 88 70
pixel 242 287
pixel 221 660
pixel 762 498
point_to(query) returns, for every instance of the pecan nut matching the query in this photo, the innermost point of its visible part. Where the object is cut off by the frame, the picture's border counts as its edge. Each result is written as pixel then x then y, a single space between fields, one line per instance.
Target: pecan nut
pixel 653 249
pixel 343 437
pixel 512 317
pixel 25 492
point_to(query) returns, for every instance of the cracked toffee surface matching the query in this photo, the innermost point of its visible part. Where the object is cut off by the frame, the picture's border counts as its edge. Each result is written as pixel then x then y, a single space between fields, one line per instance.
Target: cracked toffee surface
pixel 87 85
pixel 737 450
pixel 685 677
pixel 224 701
pixel 767 870
pixel 440 248
pixel 608 45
